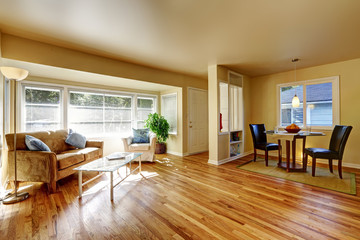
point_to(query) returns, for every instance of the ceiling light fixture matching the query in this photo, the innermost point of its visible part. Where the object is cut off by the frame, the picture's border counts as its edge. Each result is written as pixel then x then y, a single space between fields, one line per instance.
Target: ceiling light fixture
pixel 295 101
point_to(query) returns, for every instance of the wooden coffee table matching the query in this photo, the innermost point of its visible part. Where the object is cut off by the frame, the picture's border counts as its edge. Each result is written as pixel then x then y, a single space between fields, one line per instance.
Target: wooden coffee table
pixel 104 165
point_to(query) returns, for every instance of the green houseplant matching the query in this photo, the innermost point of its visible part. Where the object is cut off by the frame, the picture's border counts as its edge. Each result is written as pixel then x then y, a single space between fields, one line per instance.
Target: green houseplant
pixel 160 126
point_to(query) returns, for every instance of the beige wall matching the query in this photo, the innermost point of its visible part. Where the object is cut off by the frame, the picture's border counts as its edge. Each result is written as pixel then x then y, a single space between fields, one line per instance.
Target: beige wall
pixel 174 143
pixel 263 101
pixel 22 49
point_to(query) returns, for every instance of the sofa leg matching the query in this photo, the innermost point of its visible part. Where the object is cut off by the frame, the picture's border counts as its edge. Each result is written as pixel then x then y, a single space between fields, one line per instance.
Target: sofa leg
pixel 52 187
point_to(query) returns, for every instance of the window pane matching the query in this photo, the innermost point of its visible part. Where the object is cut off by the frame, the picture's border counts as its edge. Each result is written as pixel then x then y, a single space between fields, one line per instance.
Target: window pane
pixel 86 99
pixel 168 110
pixel 140 124
pixel 117 101
pixel 42 109
pixel 319 104
pixel 288 113
pixel 145 106
pixel 145 103
pixel 117 114
pixel 96 114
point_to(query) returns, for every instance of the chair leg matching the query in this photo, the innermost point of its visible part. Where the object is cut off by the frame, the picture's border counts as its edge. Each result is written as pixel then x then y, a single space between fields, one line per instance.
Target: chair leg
pixel 331 165
pixel 254 154
pixel 266 158
pixel 313 166
pixel 339 168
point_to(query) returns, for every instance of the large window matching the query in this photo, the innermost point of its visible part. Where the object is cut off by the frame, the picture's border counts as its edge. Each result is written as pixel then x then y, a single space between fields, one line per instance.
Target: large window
pixel 169 110
pixel 42 108
pixel 94 113
pixel 318 103
pixel 90 112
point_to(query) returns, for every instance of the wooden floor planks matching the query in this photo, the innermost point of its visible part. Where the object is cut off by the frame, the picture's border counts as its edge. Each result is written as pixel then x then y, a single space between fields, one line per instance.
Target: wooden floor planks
pixel 185 198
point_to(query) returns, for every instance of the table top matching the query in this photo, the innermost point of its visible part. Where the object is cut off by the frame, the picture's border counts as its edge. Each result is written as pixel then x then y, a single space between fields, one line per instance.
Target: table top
pixel 301 133
pixel 105 165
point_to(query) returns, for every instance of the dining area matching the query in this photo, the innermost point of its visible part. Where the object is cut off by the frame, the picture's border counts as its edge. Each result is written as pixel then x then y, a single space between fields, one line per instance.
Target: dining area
pixel 289 139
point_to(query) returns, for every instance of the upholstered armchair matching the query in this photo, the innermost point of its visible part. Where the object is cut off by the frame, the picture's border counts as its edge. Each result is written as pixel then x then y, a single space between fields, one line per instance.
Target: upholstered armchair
pixel 148 149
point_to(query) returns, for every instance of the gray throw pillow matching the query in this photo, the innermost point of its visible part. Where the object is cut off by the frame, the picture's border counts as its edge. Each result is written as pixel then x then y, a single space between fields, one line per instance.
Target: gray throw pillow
pixel 76 139
pixel 35 144
pixel 141 136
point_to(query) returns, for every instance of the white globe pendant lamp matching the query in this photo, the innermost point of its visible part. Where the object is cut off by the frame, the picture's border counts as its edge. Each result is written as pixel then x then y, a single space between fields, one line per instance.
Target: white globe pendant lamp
pixel 295 101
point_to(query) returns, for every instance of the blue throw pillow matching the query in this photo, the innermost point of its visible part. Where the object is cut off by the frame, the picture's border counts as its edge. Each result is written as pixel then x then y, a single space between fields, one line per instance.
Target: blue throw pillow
pixel 141 136
pixel 35 144
pixel 76 139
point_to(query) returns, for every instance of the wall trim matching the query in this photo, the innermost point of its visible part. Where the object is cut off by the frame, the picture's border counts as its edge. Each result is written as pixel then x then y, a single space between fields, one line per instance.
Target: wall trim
pixel 175 153
pixel 226 160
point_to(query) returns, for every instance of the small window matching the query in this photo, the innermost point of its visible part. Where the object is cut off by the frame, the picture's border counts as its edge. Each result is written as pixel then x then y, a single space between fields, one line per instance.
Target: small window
pixel 318 103
pixel 43 109
pixel 169 111
pixel 145 106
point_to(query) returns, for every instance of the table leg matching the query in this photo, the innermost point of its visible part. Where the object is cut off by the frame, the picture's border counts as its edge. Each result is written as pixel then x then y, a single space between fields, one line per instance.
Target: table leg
pixel 111 186
pixel 80 184
pixel 294 152
pixel 287 155
pixel 280 152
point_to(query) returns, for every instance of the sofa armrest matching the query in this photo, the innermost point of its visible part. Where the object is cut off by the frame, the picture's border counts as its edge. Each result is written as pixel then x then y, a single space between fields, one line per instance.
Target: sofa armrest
pixel 33 166
pixel 95 143
pixel 153 142
pixel 126 142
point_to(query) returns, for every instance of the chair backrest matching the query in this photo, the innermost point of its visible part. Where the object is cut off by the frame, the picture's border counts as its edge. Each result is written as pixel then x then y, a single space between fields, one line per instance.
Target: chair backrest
pixel 339 138
pixel 258 133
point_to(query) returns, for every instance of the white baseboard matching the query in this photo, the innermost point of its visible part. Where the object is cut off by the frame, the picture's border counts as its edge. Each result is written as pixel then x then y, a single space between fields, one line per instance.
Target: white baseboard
pixel 193 153
pixel 226 160
pixel 175 153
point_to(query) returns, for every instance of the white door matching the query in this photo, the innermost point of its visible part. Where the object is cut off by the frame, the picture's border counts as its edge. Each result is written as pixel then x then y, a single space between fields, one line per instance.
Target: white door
pixel 197 121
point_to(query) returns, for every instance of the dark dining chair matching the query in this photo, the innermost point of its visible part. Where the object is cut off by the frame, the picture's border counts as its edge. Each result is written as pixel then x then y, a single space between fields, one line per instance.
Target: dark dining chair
pixel 338 140
pixel 258 133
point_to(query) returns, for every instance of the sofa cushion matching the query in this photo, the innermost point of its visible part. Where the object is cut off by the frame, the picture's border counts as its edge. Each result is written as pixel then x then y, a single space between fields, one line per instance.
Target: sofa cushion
pixel 139 147
pixel 89 152
pixel 69 158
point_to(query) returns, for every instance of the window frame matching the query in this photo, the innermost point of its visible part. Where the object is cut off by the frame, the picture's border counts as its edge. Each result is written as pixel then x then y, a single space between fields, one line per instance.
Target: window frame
pixel 176 110
pixel 65 98
pixel 335 100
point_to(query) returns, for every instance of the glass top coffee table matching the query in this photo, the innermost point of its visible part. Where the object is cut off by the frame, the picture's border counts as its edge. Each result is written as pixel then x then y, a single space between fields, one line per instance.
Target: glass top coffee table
pixel 109 164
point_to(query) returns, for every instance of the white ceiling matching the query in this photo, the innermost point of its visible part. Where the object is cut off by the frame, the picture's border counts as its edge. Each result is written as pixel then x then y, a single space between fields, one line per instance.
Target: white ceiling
pixel 255 37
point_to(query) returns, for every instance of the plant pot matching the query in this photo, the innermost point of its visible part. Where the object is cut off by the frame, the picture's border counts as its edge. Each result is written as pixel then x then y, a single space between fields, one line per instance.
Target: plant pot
pixel 160 148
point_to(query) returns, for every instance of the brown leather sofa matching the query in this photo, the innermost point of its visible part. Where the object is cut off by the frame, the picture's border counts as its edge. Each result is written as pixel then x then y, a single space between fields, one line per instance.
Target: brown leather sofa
pixel 49 167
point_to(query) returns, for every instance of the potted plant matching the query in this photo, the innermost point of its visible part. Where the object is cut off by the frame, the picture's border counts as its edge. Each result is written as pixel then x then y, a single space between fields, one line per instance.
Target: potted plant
pixel 158 125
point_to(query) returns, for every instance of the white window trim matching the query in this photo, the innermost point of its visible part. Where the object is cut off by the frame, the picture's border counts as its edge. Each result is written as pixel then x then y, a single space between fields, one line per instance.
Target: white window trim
pixel 176 110
pixel 335 100
pixel 66 102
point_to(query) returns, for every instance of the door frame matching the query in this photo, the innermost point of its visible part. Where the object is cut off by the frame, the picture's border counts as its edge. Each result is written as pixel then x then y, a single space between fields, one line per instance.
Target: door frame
pixel 188 119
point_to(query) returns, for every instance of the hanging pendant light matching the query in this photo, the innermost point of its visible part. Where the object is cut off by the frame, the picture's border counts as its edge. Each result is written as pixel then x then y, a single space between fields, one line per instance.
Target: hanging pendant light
pixel 295 101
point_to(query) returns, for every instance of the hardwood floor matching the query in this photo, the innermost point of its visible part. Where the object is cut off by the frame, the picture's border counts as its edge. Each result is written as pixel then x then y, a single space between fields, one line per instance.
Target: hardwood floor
pixel 185 198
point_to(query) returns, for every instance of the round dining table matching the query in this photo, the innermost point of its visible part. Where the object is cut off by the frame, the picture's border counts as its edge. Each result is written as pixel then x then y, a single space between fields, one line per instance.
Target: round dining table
pixel 290 138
